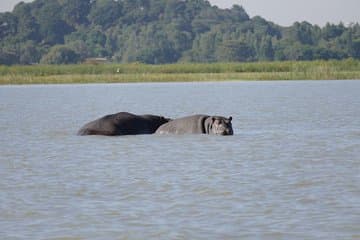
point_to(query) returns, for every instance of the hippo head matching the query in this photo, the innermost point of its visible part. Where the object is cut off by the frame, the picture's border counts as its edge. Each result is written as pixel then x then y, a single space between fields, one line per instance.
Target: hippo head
pixel 221 126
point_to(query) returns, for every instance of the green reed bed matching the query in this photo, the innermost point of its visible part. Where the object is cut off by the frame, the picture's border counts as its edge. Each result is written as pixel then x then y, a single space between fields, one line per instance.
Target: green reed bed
pixel 112 73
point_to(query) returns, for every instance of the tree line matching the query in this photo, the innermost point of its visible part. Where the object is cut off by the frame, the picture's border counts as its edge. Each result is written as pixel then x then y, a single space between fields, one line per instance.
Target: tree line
pixel 161 31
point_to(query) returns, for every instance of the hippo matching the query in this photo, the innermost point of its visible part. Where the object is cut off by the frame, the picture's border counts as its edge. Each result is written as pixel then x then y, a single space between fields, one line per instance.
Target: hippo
pixel 198 124
pixel 123 123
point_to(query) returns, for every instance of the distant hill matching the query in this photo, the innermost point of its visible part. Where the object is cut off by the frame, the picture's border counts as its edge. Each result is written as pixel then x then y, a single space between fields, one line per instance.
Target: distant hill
pixel 161 31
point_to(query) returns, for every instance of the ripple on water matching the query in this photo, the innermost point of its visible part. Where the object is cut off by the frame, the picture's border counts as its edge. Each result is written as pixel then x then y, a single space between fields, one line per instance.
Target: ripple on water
pixel 289 172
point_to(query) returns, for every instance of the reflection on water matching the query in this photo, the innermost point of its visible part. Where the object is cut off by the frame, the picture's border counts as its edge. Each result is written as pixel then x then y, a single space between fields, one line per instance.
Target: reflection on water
pixel 290 171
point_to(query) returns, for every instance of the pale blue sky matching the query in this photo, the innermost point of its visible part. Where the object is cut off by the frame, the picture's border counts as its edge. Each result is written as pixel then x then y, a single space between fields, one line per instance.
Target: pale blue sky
pixel 283 12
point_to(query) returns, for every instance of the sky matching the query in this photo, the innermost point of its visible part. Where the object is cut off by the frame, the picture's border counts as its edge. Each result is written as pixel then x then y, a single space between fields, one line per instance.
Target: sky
pixel 282 12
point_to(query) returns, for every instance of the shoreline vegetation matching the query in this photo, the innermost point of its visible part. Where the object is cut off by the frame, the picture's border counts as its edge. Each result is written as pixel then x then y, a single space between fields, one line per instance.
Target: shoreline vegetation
pixel 180 72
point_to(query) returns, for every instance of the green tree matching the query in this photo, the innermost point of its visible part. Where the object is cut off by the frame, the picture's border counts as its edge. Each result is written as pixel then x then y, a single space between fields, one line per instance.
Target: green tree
pixel 75 12
pixel 205 45
pixel 60 54
pixel 235 51
pixel 238 14
pixel 207 18
pixel 162 31
pixel 96 40
pixel 136 12
pixel 174 10
pixel 105 12
pixel 303 33
pixel 7 57
pixel 261 28
pixel 332 31
pixel 52 27
pixel 80 48
pixel 30 53
pixel 355 53
pixel 326 53
pixel 27 28
pixel 8 25
pixel 266 50
pixel 152 45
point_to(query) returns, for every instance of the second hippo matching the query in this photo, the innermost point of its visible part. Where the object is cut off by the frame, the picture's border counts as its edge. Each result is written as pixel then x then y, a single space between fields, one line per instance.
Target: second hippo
pixel 198 124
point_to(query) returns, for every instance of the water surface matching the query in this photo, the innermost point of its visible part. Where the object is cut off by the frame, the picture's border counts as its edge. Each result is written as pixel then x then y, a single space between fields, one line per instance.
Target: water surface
pixel 291 171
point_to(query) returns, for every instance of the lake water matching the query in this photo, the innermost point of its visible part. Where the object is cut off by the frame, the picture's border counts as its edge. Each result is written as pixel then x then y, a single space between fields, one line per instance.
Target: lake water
pixel 291 171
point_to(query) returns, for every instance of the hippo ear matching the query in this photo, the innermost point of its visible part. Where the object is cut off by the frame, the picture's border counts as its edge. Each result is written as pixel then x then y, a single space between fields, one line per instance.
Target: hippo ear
pixel 230 118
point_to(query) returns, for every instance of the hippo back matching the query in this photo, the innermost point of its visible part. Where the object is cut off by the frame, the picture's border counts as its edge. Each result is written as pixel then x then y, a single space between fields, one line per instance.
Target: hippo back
pixel 123 123
pixel 189 124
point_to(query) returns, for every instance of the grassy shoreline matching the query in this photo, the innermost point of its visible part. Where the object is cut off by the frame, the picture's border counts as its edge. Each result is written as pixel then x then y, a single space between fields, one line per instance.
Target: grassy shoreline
pixel 186 72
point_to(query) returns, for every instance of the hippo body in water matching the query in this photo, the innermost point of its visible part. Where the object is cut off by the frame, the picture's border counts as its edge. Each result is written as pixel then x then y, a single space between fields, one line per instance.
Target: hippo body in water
pixel 198 124
pixel 123 123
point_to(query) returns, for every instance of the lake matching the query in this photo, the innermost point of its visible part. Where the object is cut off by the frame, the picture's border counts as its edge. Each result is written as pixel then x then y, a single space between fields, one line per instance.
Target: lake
pixel 291 170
